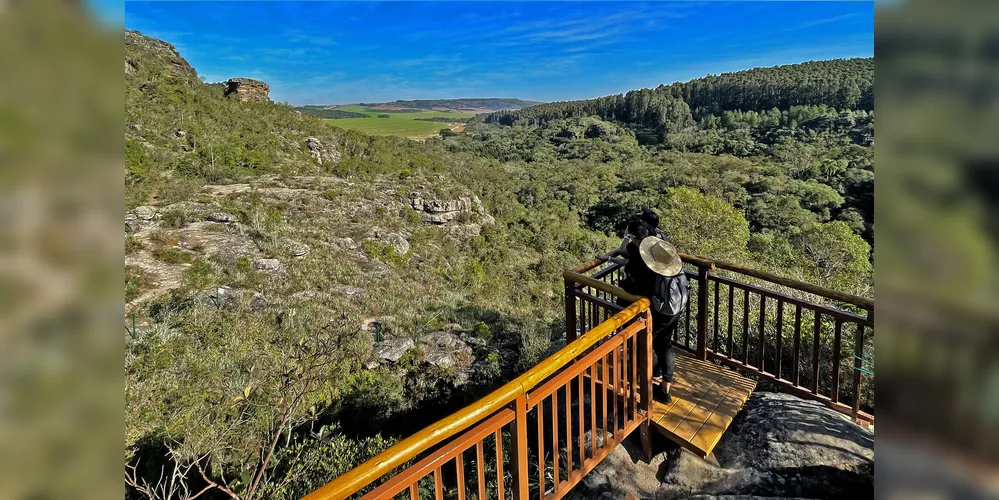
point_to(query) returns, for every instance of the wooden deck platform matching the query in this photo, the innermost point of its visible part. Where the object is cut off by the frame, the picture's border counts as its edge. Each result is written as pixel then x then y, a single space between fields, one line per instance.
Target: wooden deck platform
pixel 706 398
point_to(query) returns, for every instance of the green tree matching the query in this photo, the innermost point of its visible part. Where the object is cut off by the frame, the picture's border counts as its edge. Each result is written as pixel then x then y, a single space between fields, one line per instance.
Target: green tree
pixel 839 258
pixel 704 225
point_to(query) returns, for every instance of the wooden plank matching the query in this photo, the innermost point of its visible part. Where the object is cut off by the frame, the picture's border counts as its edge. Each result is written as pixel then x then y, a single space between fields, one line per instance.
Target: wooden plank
pixel 715 426
pixel 702 406
pixel 688 402
pixel 680 386
pixel 706 398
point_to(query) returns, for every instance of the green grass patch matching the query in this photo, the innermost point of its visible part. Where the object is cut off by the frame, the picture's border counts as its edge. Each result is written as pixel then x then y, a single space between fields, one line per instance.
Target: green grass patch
pixel 397 124
pixel 132 245
pixel 172 255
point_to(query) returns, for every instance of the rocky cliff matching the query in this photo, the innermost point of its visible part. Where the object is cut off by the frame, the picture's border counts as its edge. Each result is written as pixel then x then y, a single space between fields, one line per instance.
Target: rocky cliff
pixel 778 446
pixel 246 89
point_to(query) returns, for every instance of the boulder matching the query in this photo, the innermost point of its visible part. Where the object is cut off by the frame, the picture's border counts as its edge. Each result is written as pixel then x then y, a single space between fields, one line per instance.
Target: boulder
pixel 322 153
pixel 351 292
pixel 438 211
pixel 226 297
pixel 778 446
pixel 297 249
pixel 305 295
pixel 132 223
pixel 222 297
pixel 396 240
pixel 246 89
pixel 446 350
pixel 391 350
pixel 258 302
pixel 144 213
pixel 223 217
pixel 270 266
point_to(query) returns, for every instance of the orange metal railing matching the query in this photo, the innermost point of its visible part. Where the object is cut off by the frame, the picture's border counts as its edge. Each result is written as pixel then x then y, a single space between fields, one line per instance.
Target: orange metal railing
pixel 536 436
pixel 811 341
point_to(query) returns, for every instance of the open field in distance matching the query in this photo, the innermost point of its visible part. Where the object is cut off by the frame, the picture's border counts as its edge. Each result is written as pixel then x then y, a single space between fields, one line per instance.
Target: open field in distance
pixel 398 124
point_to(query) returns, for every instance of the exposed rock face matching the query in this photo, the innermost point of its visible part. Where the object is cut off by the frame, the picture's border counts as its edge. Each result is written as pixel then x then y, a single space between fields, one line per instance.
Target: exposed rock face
pixel 444 211
pixel 270 266
pixel 223 217
pixel 144 213
pixel 779 446
pixel 322 153
pixel 391 350
pixel 246 89
pixel 140 49
pixel 199 235
pixel 396 240
pixel 462 216
pixel 445 350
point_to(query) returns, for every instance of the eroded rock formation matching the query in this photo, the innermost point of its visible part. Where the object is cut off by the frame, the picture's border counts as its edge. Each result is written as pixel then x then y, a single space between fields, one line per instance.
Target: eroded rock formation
pixel 246 89
pixel 322 153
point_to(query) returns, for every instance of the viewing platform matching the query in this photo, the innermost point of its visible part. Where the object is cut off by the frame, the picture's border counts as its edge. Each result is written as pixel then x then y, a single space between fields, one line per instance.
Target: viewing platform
pixel 540 434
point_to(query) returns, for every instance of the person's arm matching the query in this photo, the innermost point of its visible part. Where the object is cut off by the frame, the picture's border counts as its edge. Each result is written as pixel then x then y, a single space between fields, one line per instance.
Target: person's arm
pixel 621 250
pixel 618 260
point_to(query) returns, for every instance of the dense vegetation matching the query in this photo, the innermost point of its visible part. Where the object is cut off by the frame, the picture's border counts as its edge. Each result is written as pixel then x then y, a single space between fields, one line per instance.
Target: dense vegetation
pixel 467 103
pixel 324 112
pixel 444 119
pixel 273 402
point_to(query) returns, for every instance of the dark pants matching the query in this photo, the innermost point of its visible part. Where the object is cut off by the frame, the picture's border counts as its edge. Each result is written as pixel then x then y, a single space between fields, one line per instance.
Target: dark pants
pixel 663 329
pixel 663 360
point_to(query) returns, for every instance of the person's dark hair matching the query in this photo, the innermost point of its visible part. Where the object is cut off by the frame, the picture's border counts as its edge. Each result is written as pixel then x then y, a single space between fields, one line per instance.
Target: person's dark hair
pixel 651 218
pixel 639 229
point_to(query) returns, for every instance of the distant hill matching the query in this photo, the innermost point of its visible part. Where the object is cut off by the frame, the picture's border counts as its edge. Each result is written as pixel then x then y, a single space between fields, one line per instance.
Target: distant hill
pixel 837 83
pixel 466 105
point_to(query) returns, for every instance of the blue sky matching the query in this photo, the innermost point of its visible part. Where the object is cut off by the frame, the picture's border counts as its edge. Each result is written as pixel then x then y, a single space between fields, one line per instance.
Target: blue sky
pixel 344 52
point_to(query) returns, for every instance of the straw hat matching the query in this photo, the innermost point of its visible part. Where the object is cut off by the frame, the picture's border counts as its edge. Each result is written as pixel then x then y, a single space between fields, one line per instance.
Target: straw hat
pixel 661 256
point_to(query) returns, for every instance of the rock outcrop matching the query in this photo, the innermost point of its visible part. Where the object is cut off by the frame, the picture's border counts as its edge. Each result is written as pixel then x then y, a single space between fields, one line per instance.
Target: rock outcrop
pixel 779 446
pixel 444 211
pixel 446 350
pixel 143 52
pixel 246 89
pixel 322 153
pixel 463 216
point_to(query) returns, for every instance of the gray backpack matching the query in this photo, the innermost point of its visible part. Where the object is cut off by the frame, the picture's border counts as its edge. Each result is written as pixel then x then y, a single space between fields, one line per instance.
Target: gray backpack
pixel 671 294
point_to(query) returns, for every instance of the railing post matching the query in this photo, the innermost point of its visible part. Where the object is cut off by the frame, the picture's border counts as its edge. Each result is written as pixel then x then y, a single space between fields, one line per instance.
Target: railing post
pixel 645 383
pixel 703 271
pixel 570 311
pixel 519 451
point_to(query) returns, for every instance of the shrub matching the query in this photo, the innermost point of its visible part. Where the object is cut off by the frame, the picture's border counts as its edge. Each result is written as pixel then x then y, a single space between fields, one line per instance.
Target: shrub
pixel 481 330
pixel 174 218
pixel 411 216
pixel 199 276
pixel 164 238
pixel 132 244
pixel 133 282
pixel 385 253
pixel 384 116
pixel 136 159
pixel 172 255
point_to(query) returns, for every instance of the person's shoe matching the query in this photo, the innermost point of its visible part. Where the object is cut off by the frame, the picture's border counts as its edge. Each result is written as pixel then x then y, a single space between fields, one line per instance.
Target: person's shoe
pixel 659 394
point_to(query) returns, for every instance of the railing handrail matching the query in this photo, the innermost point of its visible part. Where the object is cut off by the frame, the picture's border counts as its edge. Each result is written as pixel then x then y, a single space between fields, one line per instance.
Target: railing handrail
pixel 434 434
pixel 861 302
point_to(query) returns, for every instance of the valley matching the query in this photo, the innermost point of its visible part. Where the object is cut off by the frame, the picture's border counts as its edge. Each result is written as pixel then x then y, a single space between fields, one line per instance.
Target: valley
pixel 301 292
pixel 411 119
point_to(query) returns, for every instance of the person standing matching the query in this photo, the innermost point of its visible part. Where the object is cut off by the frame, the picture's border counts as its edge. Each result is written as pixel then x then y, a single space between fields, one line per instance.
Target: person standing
pixel 658 274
